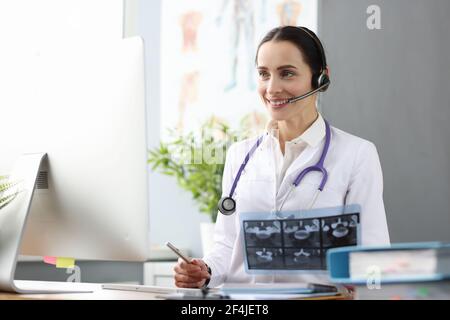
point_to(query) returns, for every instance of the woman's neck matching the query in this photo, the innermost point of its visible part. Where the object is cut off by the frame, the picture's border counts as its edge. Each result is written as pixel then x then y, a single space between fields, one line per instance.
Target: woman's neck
pixel 292 128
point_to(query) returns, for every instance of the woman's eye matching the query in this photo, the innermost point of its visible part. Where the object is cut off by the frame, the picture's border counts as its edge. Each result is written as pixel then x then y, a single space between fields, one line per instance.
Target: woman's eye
pixel 263 74
pixel 287 73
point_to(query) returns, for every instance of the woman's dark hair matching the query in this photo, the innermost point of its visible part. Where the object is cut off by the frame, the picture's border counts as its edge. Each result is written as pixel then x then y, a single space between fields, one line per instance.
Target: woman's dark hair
pixel 302 39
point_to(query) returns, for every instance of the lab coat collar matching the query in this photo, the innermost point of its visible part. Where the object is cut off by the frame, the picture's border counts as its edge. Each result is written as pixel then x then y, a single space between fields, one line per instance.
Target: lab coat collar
pixel 312 136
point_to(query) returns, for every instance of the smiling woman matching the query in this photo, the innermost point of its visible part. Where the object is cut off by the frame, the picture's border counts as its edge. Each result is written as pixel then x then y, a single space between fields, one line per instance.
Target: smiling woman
pixel 290 68
pixel 345 170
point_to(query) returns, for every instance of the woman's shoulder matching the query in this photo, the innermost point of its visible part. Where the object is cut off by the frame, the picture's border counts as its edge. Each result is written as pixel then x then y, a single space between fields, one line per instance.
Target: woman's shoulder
pixel 349 140
pixel 354 147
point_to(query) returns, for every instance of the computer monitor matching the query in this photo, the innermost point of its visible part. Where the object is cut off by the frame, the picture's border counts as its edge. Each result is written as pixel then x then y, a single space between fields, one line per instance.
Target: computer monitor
pixel 84 107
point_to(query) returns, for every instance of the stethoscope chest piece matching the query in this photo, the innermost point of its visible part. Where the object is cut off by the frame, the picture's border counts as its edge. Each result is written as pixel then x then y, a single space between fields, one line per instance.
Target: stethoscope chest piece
pixel 227 205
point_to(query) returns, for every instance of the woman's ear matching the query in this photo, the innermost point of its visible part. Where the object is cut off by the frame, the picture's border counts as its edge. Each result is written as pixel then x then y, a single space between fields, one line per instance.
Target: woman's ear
pixel 327 71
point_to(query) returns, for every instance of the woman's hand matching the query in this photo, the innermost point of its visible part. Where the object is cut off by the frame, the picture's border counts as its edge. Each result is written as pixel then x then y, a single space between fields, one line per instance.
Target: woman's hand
pixel 190 275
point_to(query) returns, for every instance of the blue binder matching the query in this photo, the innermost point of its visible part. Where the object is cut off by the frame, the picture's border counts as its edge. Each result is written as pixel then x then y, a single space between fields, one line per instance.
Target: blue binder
pixel 338 261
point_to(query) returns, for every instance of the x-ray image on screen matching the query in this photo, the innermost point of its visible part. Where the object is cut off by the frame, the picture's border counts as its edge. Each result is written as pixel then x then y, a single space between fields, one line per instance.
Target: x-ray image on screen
pixel 299 233
pixel 303 258
pixel 266 258
pixel 340 231
pixel 294 244
pixel 263 233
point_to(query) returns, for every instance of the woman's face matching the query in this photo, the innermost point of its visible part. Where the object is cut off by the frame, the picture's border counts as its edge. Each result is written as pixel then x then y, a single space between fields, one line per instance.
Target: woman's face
pixel 282 74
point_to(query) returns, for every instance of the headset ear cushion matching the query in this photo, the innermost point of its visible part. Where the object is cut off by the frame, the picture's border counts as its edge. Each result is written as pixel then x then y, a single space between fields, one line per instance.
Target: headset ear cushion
pixel 322 80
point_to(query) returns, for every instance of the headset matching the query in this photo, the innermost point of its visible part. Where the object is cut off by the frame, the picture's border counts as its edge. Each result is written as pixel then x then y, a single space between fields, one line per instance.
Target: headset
pixel 320 82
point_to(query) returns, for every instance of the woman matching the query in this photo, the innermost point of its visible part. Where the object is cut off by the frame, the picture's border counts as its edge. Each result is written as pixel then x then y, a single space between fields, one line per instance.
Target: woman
pixel 292 69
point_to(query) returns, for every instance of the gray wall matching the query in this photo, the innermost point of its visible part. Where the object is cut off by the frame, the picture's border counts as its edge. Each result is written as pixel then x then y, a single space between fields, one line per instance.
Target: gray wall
pixel 391 86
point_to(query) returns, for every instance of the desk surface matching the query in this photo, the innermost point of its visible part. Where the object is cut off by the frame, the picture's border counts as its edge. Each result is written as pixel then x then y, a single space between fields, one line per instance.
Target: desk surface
pixel 97 294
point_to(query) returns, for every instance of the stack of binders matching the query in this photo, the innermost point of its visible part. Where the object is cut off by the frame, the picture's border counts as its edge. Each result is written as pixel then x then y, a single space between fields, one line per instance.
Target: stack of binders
pixel 403 271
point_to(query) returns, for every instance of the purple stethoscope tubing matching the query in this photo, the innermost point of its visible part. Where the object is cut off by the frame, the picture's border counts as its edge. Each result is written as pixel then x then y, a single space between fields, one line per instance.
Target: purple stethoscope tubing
pixel 319 166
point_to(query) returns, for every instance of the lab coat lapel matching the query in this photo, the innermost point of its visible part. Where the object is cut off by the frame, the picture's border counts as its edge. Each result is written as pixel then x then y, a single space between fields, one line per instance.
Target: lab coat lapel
pixel 264 162
pixel 300 163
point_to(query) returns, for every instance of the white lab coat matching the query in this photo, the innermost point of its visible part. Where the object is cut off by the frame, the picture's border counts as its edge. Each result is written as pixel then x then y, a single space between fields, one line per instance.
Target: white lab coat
pixel 354 177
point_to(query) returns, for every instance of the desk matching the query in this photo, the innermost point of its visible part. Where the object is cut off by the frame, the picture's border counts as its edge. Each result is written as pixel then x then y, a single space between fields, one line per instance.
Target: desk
pixel 102 294
pixel 97 294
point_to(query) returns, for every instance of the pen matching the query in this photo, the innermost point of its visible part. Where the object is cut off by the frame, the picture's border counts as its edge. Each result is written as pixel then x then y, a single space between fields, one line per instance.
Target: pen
pixel 178 252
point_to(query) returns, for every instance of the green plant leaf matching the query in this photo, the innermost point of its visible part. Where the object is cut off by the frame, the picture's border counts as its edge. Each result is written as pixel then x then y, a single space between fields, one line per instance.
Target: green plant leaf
pixel 202 180
pixel 5 185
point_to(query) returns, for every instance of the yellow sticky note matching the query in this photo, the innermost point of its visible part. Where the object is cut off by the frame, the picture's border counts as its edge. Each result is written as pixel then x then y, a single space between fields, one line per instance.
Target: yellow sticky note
pixel 65 262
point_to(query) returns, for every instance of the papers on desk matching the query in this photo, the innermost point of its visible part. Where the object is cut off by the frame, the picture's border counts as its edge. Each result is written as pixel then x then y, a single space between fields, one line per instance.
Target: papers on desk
pixel 269 291
pixel 266 296
pixel 264 291
pixel 279 288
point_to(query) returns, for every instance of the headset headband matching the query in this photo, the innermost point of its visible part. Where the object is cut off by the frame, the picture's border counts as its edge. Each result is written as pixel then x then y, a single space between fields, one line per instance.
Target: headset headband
pixel 318 45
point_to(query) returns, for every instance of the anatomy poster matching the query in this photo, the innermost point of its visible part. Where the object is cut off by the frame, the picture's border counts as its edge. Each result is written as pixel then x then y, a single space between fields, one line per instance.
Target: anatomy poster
pixel 208 57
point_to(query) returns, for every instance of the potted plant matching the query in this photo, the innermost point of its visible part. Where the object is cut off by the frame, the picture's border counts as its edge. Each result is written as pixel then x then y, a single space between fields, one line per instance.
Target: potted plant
pixel 197 161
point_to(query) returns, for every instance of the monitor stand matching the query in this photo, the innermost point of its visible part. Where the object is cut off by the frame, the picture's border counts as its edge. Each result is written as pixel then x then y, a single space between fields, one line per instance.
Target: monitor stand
pixel 13 218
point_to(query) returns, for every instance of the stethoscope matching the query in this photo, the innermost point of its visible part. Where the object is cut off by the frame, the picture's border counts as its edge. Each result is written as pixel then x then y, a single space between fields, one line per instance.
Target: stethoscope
pixel 227 205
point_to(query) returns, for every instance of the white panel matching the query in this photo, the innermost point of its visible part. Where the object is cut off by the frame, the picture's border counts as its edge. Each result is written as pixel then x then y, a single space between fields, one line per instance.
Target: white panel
pixel 38 23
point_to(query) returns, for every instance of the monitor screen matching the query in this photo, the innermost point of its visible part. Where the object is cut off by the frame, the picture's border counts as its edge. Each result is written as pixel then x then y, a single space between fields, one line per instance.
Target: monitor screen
pixel 85 108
